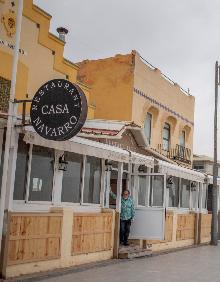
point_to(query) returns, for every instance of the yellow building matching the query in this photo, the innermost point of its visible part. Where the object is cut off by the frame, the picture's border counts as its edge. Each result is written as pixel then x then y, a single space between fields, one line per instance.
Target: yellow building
pixel 41 53
pixel 127 88
pixel 56 217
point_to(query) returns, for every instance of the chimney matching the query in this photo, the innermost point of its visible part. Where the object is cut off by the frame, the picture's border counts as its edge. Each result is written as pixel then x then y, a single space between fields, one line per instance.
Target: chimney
pixel 62 33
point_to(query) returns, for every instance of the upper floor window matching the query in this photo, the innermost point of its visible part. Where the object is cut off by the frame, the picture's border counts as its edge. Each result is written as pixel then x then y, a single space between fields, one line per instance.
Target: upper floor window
pixel 148 126
pixel 166 137
pixel 183 138
pixel 199 167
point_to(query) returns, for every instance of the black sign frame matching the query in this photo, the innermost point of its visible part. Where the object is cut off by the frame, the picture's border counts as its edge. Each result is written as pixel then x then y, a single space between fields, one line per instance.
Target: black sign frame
pixel 58 110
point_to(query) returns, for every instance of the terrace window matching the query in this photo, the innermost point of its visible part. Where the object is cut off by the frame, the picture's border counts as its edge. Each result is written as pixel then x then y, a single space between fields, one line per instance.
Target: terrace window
pixel 71 187
pixel 157 191
pixel 184 193
pixel 41 176
pixel 143 190
pixel 92 181
pixel 204 196
pixel 21 170
pixel 194 197
pixel 173 192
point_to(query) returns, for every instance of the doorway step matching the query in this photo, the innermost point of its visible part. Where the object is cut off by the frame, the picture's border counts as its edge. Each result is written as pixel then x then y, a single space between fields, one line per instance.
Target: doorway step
pixel 133 251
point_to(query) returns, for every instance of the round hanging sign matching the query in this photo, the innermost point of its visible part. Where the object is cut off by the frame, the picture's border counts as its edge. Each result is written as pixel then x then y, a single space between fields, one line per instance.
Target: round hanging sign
pixel 58 110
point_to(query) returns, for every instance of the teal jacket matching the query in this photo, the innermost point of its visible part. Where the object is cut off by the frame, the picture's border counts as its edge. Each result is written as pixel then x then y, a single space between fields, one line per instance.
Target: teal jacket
pixel 127 207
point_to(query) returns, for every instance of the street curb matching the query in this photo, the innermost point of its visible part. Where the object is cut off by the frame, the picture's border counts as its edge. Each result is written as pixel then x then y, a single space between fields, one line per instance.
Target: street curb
pixel 39 276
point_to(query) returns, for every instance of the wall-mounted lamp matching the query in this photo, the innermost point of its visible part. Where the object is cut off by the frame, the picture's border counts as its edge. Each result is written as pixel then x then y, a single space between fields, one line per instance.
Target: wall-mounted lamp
pixel 62 165
pixel 193 186
pixel 108 165
pixel 142 168
pixel 170 181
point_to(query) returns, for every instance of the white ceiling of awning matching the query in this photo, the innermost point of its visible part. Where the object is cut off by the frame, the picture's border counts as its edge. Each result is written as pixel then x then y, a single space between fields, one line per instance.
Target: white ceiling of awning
pixel 88 147
pixel 182 172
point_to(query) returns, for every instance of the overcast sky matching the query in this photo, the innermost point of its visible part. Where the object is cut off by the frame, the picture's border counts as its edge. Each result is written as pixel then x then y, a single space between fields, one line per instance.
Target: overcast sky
pixel 181 38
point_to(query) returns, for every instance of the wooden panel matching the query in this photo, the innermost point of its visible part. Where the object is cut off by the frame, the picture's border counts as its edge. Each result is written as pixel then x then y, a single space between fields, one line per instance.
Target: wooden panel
pixel 206 223
pixel 91 233
pixel 34 237
pixel 169 227
pixel 185 226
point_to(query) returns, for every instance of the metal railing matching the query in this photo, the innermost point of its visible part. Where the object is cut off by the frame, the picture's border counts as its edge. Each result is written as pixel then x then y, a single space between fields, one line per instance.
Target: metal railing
pixel 179 153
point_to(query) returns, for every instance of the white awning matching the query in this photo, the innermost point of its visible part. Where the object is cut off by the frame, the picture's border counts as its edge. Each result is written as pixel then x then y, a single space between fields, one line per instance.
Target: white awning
pixel 210 179
pixel 88 147
pixel 181 172
pixel 142 159
pixel 80 146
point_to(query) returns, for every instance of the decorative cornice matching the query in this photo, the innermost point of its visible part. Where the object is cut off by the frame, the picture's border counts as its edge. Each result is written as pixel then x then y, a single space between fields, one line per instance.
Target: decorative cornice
pixel 160 105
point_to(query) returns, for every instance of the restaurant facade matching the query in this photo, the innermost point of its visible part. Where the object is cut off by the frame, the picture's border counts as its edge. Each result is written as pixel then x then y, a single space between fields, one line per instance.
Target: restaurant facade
pixel 58 212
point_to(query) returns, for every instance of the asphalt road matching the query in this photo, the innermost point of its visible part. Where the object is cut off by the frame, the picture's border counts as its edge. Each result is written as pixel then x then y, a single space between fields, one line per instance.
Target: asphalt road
pixel 195 264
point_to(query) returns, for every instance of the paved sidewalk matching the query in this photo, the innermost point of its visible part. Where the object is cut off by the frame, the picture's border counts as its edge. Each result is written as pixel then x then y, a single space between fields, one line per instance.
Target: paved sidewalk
pixel 197 264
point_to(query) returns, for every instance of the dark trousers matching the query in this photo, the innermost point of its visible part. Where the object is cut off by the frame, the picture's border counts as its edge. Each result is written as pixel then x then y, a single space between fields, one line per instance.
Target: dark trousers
pixel 124 230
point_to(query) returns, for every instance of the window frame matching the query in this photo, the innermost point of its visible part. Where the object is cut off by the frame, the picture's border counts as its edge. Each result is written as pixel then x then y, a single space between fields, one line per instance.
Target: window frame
pixel 202 187
pixel 81 183
pixel 183 133
pixel 82 203
pixel 149 194
pixel 168 128
pixel 178 195
pixel 150 120
pixel 197 196
pixel 27 190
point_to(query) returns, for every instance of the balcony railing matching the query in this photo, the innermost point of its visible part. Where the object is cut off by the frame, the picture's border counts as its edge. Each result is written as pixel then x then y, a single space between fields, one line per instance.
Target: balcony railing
pixel 179 153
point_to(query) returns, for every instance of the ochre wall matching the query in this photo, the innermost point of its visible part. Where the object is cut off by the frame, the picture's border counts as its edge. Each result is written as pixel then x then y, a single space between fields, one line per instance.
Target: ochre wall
pixel 150 82
pixel 44 53
pixel 115 82
pixel 111 82
pixel 5 71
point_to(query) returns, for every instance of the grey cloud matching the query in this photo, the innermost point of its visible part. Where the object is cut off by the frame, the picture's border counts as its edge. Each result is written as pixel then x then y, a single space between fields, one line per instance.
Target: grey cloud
pixel 182 38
